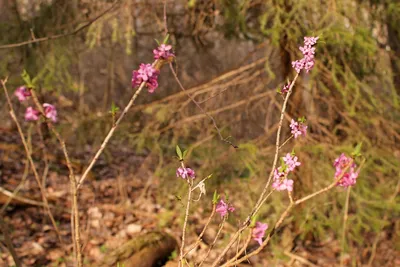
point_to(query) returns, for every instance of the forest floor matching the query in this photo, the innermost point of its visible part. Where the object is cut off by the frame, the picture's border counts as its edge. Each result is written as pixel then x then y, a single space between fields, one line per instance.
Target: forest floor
pixel 118 207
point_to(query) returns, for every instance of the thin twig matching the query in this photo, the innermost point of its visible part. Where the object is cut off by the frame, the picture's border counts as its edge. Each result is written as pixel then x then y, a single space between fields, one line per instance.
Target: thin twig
pixel 13 195
pixel 243 249
pixel 284 143
pixel 57 36
pixel 32 164
pixel 221 226
pixel 226 140
pixel 345 217
pixel 45 157
pixel 202 232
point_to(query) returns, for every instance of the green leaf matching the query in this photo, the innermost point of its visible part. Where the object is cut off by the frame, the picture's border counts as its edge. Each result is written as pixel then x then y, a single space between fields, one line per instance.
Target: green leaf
pixel 114 108
pixel 158 42
pixel 302 119
pixel 27 79
pixel 357 150
pixel 184 154
pixel 253 220
pixel 215 197
pixel 179 152
pixel 166 39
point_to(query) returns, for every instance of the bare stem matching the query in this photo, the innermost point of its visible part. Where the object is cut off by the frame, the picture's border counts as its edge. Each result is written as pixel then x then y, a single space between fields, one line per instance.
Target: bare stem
pixel 110 134
pixel 284 143
pixel 221 226
pixel 243 249
pixel 202 232
pixel 181 255
pixel 345 217
pixel 75 227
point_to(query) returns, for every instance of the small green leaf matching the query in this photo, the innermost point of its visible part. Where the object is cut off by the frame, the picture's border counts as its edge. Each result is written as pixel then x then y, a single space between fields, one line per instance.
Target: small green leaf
pixel 302 119
pixel 166 39
pixel 114 108
pixel 292 153
pixel 173 255
pixel 184 154
pixel 158 42
pixel 179 152
pixel 253 220
pixel 27 79
pixel 357 150
pixel 215 197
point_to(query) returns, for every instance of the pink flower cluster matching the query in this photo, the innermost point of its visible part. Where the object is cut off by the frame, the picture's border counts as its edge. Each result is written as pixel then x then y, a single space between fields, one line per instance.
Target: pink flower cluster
pixel 281 182
pixel 307 62
pixel 259 232
pixel 50 112
pixel 349 178
pixel 163 52
pixel 148 74
pixel 185 173
pixel 298 128
pixel 22 93
pixel 223 208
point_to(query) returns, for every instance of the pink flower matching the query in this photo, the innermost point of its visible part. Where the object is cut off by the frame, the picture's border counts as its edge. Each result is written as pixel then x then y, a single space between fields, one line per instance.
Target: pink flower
pixel 148 74
pixel 163 52
pixel 31 114
pixel 185 173
pixel 281 182
pixel 22 93
pixel 259 232
pixel 285 88
pixel 223 208
pixel 291 161
pixel 298 128
pixel 307 62
pixel 50 112
pixel 310 41
pixel 349 178
pixel 286 184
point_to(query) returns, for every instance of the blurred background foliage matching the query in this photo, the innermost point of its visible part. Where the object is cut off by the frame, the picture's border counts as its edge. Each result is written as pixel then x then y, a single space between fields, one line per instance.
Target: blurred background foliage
pixel 232 55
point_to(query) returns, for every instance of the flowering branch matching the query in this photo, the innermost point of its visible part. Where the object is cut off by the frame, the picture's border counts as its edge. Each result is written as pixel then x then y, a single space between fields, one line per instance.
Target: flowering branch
pixel 32 164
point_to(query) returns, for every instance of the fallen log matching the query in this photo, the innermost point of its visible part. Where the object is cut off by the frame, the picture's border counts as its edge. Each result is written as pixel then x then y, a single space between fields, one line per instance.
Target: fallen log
pixel 147 250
